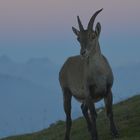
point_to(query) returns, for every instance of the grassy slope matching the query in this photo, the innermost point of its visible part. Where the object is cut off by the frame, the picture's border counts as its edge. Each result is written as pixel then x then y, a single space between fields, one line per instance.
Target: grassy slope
pixel 127 117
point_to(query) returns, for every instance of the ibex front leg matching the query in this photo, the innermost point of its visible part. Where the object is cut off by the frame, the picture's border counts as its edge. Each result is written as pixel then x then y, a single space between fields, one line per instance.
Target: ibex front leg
pixel 93 114
pixel 67 109
pixel 108 104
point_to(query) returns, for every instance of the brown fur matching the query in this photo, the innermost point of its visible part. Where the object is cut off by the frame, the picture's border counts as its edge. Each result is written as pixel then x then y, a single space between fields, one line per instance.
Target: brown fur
pixel 88 77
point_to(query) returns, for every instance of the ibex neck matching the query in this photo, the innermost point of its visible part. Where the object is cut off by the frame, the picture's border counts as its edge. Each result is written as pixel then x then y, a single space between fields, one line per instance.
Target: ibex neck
pixel 94 55
pixel 96 50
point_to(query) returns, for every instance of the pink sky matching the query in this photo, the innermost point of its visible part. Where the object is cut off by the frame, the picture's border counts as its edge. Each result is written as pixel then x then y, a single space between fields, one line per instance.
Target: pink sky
pixel 22 18
pixel 46 25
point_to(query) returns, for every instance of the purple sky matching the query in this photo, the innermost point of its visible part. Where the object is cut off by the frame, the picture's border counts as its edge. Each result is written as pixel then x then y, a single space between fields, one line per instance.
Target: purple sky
pixel 47 24
pixel 37 19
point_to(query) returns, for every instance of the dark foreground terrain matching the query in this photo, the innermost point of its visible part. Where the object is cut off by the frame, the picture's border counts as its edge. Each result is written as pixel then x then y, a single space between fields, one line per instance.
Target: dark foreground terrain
pixel 127 117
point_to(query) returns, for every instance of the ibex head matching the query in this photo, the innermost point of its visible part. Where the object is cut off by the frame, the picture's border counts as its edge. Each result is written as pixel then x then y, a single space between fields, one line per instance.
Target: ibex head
pixel 88 38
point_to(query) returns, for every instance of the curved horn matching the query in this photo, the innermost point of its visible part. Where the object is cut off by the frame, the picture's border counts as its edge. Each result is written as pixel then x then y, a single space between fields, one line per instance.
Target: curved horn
pixel 91 22
pixel 80 24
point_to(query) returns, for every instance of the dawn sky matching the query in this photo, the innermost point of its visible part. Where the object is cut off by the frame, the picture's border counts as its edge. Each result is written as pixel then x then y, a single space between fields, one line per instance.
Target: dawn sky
pixel 32 28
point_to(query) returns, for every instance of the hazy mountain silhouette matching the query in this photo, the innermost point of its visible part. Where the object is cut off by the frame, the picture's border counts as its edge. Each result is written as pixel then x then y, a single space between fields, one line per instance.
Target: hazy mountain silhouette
pixel 31 98
pixel 26 95
pixel 38 70
pixel 25 106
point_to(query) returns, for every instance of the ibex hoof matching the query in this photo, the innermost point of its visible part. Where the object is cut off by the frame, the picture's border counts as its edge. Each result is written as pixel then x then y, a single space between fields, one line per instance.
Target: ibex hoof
pixel 89 128
pixel 94 138
pixel 67 138
pixel 115 134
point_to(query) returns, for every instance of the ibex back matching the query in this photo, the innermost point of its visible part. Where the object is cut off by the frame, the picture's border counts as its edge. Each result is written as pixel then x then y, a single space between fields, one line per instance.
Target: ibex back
pixel 88 77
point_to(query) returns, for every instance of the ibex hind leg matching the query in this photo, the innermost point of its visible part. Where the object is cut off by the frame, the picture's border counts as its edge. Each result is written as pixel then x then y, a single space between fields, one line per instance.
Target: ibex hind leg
pixel 86 115
pixel 67 108
pixel 108 104
pixel 91 108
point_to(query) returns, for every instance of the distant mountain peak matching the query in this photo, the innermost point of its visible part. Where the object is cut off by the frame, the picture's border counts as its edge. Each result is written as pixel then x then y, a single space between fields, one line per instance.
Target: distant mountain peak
pixel 5 59
pixel 39 61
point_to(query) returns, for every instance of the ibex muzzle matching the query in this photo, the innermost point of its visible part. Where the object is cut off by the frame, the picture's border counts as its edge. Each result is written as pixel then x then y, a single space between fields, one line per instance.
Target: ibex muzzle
pixel 88 80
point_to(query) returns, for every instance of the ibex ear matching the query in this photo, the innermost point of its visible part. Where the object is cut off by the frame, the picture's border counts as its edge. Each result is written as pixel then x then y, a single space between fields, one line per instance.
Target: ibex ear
pixel 75 31
pixel 98 29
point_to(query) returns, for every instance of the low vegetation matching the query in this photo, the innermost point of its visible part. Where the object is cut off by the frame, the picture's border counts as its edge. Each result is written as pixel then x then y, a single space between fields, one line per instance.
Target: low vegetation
pixel 127 117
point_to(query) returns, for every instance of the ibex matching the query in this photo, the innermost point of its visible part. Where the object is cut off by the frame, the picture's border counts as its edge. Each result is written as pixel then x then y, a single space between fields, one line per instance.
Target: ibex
pixel 87 77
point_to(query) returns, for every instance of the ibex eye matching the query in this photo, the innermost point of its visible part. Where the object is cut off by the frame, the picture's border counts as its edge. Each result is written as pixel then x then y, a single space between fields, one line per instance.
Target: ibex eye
pixel 78 39
pixel 92 36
